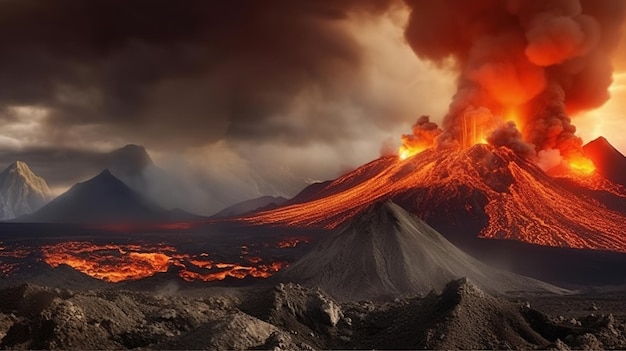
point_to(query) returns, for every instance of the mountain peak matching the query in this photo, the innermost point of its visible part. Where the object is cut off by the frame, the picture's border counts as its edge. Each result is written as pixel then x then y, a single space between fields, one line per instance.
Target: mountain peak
pixel 21 191
pixel 129 161
pixel 20 167
pixel 387 251
pixel 609 162
pixel 105 173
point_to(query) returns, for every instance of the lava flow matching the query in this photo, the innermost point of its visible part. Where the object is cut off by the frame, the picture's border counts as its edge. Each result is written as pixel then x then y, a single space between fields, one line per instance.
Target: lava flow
pixel 480 184
pixel 117 263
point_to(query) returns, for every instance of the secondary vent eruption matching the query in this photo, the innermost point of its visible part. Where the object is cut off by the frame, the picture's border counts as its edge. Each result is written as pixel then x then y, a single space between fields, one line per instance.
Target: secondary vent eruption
pixel 525 66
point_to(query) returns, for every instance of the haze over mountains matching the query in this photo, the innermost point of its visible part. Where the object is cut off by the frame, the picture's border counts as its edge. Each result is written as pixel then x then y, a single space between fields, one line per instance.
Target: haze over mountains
pixel 104 199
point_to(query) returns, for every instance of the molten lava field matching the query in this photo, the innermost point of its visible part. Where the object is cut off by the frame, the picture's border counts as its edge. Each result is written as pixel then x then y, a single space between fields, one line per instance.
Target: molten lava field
pixel 121 256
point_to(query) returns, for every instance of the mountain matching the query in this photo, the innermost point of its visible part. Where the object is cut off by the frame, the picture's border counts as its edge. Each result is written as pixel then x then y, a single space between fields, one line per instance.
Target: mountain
pixel 609 162
pixel 253 205
pixel 482 191
pixel 21 191
pixel 128 165
pixel 385 251
pixel 101 199
pixel 133 166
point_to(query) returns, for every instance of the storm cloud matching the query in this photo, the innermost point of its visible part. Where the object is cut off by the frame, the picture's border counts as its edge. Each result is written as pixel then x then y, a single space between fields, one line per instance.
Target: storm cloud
pixel 187 72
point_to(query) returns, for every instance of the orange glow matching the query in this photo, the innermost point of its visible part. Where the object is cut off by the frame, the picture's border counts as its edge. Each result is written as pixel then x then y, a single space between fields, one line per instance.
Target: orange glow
pixel 423 136
pixel 113 263
pixel 8 269
pixel 518 211
pixel 474 127
pixel 513 115
pixel 581 165
pixel 117 263
pixel 409 149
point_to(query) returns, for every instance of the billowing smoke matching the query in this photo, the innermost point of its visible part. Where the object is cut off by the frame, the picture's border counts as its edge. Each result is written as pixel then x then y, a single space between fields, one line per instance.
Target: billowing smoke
pixel 423 136
pixel 540 60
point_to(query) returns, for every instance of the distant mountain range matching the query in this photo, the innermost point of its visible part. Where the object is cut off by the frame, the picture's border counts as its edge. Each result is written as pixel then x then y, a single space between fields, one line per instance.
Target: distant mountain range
pixel 104 199
pixel 21 191
pixel 481 191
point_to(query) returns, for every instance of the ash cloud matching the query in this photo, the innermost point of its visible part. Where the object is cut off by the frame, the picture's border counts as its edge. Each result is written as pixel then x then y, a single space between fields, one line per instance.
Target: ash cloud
pixel 187 72
pixel 549 59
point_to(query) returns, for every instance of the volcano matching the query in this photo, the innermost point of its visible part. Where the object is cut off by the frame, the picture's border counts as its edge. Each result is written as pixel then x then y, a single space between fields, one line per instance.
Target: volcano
pixel 102 199
pixel 385 251
pixel 481 191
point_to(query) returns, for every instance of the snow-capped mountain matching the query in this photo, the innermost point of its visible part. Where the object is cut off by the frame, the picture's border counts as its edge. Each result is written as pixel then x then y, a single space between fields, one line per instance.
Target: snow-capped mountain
pixel 21 191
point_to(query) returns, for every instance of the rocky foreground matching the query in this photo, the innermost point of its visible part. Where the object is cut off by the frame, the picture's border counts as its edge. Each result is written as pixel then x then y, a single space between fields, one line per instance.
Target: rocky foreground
pixel 290 316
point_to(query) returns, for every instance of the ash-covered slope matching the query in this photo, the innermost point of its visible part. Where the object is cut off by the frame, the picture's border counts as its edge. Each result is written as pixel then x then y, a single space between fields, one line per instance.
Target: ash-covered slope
pixel 385 251
pixel 21 191
pixel 479 191
pixel 102 199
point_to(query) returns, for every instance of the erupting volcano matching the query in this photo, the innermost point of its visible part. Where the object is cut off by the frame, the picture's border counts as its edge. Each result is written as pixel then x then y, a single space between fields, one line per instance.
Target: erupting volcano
pixel 496 166
pixel 483 190
pixel 525 67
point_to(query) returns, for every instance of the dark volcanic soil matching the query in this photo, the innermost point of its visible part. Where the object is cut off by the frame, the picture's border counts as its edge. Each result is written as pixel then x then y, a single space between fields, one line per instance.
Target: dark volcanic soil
pixel 289 316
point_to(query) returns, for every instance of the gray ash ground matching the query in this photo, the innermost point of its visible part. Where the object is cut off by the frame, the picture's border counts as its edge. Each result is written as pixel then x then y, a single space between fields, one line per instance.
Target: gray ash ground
pixel 289 316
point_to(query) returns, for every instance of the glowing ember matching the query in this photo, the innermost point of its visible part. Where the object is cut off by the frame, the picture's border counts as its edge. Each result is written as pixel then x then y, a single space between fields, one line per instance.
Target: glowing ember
pixel 8 269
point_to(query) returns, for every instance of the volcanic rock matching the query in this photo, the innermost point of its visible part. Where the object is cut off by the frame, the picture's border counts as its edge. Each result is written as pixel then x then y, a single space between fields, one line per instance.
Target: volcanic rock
pixel 386 251
pixel 461 317
pixel 21 191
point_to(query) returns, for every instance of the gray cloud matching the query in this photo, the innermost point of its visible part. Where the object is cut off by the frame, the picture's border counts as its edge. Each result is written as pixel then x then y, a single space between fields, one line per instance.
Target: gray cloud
pixel 188 72
pixel 241 97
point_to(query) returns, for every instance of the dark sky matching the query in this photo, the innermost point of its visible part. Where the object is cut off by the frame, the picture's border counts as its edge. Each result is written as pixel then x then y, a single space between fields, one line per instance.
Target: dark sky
pixel 243 97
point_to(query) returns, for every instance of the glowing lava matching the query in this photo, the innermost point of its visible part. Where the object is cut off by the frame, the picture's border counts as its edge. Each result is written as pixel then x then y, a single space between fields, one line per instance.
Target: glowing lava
pixel 480 184
pixel 117 263
pixel 113 263
pixel 581 165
